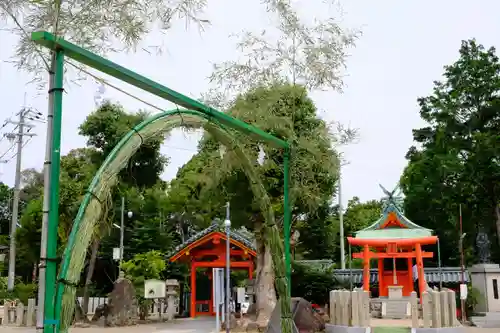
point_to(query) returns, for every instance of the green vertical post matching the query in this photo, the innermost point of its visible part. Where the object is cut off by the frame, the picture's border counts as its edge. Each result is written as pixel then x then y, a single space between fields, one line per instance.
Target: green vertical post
pixel 287 219
pixel 51 322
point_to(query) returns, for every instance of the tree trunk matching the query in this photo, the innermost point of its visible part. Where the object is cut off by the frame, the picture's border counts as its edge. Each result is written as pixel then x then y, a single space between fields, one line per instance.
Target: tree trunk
pixel 79 316
pixel 264 287
pixel 497 211
pixel 35 271
pixel 88 278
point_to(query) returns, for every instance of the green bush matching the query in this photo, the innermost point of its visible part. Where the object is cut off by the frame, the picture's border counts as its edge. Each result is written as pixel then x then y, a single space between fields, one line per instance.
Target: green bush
pixel 473 298
pixel 312 284
pixel 22 291
pixel 144 266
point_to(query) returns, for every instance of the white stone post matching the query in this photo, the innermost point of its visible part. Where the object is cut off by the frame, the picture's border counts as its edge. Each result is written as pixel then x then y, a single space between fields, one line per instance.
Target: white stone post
pixel 414 309
pixel 31 312
pixel 19 314
pixel 355 308
pixel 445 316
pixel 436 309
pixel 332 306
pixel 426 309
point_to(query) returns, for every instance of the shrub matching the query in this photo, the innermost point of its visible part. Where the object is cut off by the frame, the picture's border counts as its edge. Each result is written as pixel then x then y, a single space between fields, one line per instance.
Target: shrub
pixel 312 284
pixel 22 291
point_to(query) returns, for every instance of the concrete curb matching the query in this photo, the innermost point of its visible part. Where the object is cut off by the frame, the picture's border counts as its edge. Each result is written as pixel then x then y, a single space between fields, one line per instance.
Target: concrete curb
pixel 329 328
pixel 458 329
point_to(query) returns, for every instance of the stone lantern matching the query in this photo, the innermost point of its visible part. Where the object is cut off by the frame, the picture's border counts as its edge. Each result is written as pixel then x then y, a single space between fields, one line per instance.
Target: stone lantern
pixel 172 287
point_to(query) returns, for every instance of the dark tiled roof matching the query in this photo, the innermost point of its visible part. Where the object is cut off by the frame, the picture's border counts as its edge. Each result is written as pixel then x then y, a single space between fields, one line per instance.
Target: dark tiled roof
pixel 432 275
pixel 321 264
pixel 241 236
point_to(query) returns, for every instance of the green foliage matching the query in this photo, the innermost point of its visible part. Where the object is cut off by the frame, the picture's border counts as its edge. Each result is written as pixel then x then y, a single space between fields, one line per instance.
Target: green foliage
pixel 148 230
pixel 288 113
pixel 311 284
pixel 474 296
pixel 144 266
pixel 318 234
pixel 456 162
pixel 358 215
pixel 3 279
pixel 22 291
pixel 105 127
pixel 5 216
pixel 28 236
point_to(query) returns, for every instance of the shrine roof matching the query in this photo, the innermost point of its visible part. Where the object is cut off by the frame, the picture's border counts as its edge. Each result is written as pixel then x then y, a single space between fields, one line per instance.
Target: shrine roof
pixel 393 224
pixel 241 238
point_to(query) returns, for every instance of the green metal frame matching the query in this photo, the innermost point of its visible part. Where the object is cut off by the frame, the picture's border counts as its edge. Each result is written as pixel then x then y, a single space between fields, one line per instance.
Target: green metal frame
pixel 64 48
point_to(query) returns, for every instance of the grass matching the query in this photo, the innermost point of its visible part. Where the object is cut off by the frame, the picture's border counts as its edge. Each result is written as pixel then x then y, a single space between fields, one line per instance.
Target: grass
pixel 391 329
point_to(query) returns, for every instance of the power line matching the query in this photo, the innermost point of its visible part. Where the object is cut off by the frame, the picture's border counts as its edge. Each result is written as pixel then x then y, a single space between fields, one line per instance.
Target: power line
pixel 15 154
pixel 6 152
pixel 105 82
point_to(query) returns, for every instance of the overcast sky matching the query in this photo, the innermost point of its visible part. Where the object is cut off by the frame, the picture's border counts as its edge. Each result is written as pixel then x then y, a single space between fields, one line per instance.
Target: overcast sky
pixel 404 46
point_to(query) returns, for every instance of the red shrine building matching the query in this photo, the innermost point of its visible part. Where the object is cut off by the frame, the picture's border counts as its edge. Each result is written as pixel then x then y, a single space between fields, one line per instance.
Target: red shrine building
pixel 396 244
pixel 205 251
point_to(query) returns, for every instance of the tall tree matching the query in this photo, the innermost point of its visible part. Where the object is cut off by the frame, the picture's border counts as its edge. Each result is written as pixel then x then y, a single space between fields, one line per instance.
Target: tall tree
pixel 310 55
pixel 288 113
pixel 105 127
pixel 457 159
pixel 360 215
pixel 317 238
pixel 5 202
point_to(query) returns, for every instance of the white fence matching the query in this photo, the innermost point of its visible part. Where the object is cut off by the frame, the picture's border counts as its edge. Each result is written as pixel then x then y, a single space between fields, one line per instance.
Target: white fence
pixel 94 302
pixel 19 314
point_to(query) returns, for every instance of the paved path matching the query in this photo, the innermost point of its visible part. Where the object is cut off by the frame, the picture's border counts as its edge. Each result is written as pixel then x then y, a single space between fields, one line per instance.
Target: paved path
pixel 407 323
pixel 202 325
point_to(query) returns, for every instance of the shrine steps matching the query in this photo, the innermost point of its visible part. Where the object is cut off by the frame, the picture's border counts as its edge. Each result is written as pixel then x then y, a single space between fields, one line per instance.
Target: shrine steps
pixel 487 320
pixel 384 307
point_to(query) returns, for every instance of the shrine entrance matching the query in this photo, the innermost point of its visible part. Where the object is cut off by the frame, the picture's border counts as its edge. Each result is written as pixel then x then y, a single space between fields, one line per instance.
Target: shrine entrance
pixel 395 242
pixel 207 250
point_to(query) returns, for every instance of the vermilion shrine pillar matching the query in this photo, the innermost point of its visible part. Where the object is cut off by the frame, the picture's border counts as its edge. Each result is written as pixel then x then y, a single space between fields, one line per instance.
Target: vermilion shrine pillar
pixel 366 268
pixel 193 289
pixel 420 267
pixel 381 283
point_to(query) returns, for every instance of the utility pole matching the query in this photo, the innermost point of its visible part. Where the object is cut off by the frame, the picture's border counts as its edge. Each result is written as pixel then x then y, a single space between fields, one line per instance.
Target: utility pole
pixel 122 231
pixel 227 224
pixel 17 188
pixel 341 213
pixel 341 221
pixel 462 266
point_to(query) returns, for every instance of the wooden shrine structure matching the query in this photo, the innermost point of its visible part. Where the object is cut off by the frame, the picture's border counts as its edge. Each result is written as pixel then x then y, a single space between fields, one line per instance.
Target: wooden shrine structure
pixel 394 241
pixel 207 249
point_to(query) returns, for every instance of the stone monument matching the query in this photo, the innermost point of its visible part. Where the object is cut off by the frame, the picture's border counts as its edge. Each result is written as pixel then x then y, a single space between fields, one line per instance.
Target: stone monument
pixel 485 277
pixel 250 291
pixel 122 303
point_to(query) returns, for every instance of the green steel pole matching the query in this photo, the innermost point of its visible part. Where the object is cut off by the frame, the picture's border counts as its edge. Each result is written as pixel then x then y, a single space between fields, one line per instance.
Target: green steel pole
pixel 287 219
pixel 51 322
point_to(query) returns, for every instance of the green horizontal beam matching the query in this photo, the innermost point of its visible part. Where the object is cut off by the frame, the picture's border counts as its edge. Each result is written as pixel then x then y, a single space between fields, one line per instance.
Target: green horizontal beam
pixel 101 64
